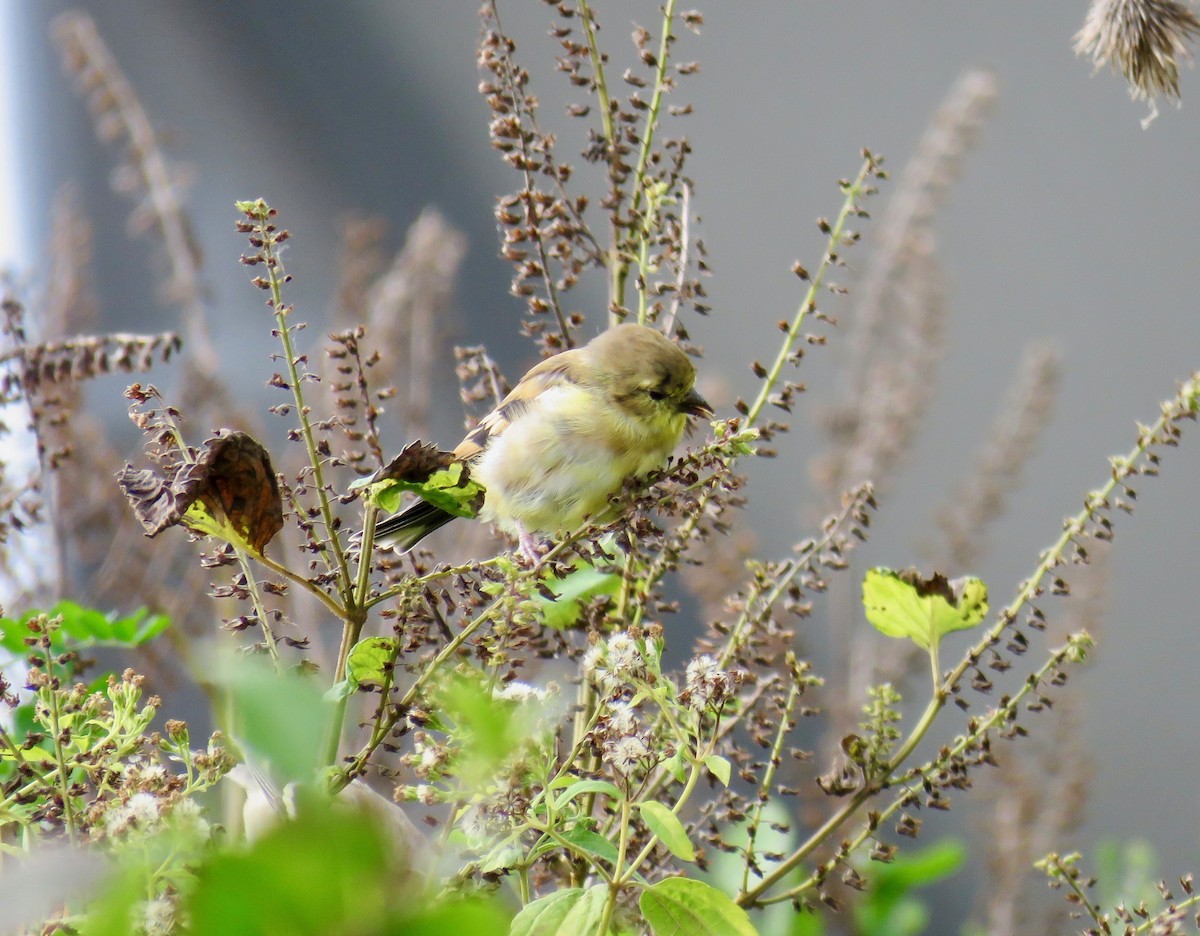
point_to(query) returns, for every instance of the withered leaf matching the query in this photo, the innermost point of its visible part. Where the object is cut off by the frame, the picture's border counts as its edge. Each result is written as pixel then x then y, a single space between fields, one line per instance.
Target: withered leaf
pixel 415 463
pixel 229 492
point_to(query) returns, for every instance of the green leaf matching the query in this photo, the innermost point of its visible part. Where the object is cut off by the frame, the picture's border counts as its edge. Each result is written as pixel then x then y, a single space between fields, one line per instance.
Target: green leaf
pixel 501 859
pixel 581 585
pixel 450 489
pixel 293 882
pixel 490 731
pixel 201 519
pixel 919 868
pixel 903 604
pixel 281 717
pixel 681 906
pixel 674 763
pixel 589 786
pixel 473 917
pixel 670 831
pixel 719 767
pixel 85 627
pixel 342 689
pixel 586 914
pixel 544 916
pixel 370 660
pixel 592 843
pixel 806 923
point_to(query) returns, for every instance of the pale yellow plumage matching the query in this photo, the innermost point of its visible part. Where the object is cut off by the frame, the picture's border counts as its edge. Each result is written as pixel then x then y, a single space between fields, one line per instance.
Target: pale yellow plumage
pixel 568 435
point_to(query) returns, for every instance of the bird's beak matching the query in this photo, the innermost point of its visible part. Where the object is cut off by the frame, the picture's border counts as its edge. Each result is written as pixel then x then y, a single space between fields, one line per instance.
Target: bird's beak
pixel 695 405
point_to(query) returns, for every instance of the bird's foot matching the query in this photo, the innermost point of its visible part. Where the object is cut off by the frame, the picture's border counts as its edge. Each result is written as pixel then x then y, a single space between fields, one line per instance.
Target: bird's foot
pixel 531 548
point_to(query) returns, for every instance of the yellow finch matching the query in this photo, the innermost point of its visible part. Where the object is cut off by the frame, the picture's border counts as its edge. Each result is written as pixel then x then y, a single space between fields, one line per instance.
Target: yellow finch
pixel 568 435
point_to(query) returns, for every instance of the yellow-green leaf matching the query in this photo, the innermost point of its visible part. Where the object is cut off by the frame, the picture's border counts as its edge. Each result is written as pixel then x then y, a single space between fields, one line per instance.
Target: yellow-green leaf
pixel 545 916
pixel 369 660
pixel 680 905
pixel 906 604
pixel 719 767
pixel 581 585
pixel 670 831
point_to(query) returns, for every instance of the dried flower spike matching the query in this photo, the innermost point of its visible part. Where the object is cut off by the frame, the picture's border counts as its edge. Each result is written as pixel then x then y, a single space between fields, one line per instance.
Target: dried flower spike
pixel 1143 40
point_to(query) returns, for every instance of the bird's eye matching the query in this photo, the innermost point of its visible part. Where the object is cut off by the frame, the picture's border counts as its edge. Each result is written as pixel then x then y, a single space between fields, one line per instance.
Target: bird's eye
pixel 657 395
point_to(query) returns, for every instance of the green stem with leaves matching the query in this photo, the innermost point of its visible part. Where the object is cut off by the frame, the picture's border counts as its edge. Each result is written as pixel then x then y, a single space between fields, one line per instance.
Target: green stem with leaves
pixel 1186 403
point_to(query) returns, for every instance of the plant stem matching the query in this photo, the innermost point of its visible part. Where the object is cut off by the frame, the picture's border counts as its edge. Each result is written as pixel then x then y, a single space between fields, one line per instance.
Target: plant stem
pixel 649 127
pixel 275 281
pixel 614 887
pixel 315 590
pixel 260 608
pixel 768 778
pixel 60 757
pixel 614 262
pixel 914 779
pixel 853 191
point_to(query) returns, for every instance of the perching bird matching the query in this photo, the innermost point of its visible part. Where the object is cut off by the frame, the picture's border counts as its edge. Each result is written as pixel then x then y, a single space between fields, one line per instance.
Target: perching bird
pixel 568 435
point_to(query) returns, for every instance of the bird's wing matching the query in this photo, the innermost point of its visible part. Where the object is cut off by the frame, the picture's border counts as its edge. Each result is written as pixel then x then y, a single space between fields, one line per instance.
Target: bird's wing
pixel 549 373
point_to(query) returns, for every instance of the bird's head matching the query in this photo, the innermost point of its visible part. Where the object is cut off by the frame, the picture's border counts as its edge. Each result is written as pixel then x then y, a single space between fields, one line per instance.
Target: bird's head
pixel 646 374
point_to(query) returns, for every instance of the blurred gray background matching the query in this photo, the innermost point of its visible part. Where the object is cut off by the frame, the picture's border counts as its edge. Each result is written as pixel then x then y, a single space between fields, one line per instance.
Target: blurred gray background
pixel 1071 223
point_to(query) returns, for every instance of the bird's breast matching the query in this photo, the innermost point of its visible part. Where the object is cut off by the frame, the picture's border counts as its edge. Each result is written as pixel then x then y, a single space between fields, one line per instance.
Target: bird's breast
pixel 566 455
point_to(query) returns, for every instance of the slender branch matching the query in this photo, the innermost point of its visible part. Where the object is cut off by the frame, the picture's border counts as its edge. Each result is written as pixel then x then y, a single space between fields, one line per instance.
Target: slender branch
pixel 764 786
pixel 275 280
pixel 914 779
pixel 358 763
pixel 616 263
pixel 649 126
pixel 256 600
pixel 60 757
pixel 606 112
pixel 853 192
pixel 614 886
pixel 313 589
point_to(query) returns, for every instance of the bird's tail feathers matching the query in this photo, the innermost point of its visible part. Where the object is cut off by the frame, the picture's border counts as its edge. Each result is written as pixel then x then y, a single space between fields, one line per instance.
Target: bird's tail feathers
pixel 404 530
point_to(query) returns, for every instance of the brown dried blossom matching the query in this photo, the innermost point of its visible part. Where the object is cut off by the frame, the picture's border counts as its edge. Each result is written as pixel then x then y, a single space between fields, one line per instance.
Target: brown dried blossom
pixel 1143 40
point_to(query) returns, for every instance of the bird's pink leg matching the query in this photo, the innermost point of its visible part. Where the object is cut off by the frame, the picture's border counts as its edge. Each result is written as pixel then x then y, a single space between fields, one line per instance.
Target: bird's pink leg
pixel 531 547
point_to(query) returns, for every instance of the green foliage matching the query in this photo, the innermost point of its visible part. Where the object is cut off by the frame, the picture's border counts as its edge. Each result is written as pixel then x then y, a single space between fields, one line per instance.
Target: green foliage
pixel 903 604
pixel 666 825
pixel 891 907
pixel 547 915
pixel 370 660
pixel 488 733
pixel 449 489
pixel 83 628
pixel 586 813
pixel 561 605
pixel 586 914
pixel 326 872
pixel 278 717
pixel 1127 873
pixel 88 767
pixel 681 905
